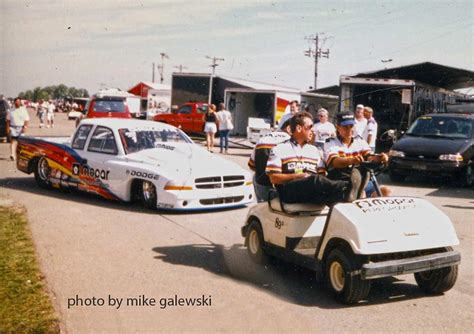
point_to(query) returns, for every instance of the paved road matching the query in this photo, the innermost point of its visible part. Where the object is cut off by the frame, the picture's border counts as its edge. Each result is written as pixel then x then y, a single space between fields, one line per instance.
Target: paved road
pixel 90 247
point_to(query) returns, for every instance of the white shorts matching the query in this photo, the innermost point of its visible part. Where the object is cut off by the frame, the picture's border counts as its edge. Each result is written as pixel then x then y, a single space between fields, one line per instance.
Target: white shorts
pixel 50 116
pixel 210 127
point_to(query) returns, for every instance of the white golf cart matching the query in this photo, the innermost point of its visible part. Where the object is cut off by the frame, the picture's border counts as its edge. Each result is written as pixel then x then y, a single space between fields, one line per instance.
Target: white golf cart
pixel 351 244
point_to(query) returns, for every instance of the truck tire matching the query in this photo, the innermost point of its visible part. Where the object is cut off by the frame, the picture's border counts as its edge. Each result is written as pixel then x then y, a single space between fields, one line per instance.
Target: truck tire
pixel 255 243
pixel 345 287
pixel 466 177
pixel 42 173
pixel 147 194
pixel 437 281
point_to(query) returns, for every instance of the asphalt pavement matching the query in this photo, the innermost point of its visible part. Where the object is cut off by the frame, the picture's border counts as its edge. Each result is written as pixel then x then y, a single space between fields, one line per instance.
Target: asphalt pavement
pixel 94 251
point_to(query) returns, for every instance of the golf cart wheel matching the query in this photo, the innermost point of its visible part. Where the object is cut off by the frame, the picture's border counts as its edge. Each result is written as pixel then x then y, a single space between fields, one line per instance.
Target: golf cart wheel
pixel 147 193
pixel 437 281
pixel 346 288
pixel 254 241
pixel 43 173
pixel 396 177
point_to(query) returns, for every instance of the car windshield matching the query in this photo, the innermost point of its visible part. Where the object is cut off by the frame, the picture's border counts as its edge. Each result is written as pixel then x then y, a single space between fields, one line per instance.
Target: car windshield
pixel 109 105
pixel 135 140
pixel 444 127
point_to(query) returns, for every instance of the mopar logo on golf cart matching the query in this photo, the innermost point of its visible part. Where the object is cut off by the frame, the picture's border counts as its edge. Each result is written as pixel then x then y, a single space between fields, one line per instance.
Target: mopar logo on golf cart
pixel 85 170
pixel 145 175
pixel 385 204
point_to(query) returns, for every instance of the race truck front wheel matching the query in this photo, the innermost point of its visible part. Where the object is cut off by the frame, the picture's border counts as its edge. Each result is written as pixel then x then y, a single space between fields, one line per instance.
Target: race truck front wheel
pixel 254 241
pixel 342 279
pixel 148 194
pixel 43 173
pixel 437 281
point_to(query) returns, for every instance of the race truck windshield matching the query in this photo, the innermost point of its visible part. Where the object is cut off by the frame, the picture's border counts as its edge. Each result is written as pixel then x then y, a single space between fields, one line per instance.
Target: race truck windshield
pixel 109 105
pixel 442 127
pixel 138 140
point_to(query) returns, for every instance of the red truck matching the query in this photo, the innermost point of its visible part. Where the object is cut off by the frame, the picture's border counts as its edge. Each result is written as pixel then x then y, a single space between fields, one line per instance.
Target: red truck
pixel 188 117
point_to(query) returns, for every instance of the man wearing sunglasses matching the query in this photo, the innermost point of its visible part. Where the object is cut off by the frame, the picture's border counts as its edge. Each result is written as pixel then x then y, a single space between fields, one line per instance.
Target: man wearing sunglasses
pixel 296 168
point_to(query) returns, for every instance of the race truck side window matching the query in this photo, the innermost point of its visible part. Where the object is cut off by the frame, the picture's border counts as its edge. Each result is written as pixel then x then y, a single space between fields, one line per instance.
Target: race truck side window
pixel 80 137
pixel 102 141
pixel 185 110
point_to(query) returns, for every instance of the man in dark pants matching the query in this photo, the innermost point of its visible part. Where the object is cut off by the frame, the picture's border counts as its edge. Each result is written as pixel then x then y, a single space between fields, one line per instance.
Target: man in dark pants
pixel 296 168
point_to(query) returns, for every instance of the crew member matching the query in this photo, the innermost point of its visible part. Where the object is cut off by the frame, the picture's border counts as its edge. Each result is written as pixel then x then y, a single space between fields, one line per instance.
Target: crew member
pixel 296 169
pixel 17 123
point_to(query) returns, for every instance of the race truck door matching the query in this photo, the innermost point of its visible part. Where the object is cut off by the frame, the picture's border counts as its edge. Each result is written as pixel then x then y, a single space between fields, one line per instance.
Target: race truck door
pixel 97 173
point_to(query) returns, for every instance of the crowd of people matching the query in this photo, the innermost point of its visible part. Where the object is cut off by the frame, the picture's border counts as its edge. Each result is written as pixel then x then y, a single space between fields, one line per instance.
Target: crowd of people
pixel 318 163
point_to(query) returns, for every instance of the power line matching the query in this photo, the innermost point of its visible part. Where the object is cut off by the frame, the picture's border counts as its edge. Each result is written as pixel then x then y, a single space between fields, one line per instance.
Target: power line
pixel 316 54
pixel 214 63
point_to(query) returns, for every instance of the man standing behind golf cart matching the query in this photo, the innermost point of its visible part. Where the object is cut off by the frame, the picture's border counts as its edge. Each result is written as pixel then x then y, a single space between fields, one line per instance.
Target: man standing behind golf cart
pixel 347 151
pixel 294 167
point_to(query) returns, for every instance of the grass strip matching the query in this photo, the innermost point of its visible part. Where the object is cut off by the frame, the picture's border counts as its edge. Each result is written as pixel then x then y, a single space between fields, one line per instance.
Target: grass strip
pixel 25 306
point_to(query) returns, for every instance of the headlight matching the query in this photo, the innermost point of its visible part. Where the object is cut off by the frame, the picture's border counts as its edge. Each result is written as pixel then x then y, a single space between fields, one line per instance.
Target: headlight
pixel 177 185
pixel 396 154
pixel 451 157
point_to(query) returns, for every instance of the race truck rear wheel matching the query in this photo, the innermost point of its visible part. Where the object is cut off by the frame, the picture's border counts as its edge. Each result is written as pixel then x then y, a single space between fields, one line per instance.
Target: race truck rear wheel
pixel 43 173
pixel 254 241
pixel 437 281
pixel 147 193
pixel 345 284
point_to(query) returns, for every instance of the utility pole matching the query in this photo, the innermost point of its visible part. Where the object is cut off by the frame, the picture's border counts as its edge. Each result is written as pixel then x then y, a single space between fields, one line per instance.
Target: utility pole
pixel 153 72
pixel 180 68
pixel 161 67
pixel 214 63
pixel 316 53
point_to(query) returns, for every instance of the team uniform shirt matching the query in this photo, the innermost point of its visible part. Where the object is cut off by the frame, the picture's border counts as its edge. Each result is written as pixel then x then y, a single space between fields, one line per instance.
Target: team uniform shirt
pixel 370 129
pixel 359 127
pixel 324 131
pixel 261 152
pixel 334 148
pixel 18 117
pixel 291 158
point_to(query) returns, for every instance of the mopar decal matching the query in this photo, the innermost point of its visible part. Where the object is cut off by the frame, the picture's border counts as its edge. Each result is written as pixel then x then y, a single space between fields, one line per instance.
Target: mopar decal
pixel 279 223
pixel 166 147
pixel 386 204
pixel 145 175
pixel 83 170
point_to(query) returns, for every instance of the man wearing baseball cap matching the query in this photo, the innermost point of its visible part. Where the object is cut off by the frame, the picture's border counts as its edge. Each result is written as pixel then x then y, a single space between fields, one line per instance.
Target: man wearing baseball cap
pixel 346 151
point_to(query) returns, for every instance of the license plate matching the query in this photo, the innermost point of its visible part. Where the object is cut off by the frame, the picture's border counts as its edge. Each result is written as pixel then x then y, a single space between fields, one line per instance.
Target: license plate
pixel 419 167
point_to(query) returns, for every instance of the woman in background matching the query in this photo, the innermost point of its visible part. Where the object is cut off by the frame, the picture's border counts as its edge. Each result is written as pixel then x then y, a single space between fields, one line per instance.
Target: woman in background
pixel 210 126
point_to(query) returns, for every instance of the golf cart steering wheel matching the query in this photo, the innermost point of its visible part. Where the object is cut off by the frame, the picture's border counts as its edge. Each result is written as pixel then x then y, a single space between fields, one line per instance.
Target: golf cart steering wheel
pixel 375 167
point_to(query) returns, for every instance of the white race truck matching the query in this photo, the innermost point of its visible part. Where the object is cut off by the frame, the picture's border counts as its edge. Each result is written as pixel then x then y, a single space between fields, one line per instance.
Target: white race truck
pixel 351 244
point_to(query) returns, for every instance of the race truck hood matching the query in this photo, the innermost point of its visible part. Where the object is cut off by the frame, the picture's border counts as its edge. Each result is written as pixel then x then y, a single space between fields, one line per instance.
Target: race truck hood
pixel 429 145
pixel 180 161
pixel 391 224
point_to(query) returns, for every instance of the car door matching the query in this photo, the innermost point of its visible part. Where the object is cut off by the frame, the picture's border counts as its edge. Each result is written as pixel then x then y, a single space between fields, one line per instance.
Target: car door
pixel 184 118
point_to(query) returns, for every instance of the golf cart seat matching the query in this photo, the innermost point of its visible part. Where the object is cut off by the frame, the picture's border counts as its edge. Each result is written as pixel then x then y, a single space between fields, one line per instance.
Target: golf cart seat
pixel 276 204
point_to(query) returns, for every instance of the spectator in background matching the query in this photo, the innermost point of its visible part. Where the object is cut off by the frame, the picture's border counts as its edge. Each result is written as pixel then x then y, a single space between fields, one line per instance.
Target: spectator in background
pixel 210 126
pixel 370 133
pixel 17 123
pixel 224 121
pixel 360 121
pixel 50 114
pixel 324 129
pixel 294 108
pixel 41 112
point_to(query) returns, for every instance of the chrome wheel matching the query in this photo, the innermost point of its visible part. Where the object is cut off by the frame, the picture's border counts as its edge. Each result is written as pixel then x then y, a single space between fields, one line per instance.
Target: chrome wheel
pixel 148 194
pixel 43 169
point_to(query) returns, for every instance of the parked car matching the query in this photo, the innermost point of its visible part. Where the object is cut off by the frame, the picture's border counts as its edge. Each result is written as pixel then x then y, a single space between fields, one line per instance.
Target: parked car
pixel 128 160
pixel 3 118
pixel 188 117
pixel 109 103
pixel 436 145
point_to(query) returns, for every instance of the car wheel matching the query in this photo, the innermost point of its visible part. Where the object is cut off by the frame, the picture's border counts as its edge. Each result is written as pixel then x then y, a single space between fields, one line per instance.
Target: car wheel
pixel 467 177
pixel 148 195
pixel 43 173
pixel 345 286
pixel 437 281
pixel 396 177
pixel 255 243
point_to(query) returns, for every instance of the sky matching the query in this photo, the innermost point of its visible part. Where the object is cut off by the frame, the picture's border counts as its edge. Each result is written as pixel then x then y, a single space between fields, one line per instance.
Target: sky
pixel 94 44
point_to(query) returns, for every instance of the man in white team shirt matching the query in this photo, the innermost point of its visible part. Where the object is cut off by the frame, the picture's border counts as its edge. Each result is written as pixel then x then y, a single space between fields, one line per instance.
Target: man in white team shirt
pixel 370 132
pixel 360 121
pixel 294 108
pixel 324 129
pixel 297 170
pixel 17 123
